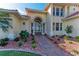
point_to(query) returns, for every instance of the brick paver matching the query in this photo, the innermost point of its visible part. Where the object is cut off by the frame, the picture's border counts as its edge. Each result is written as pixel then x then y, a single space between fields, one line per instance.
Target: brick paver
pixel 48 48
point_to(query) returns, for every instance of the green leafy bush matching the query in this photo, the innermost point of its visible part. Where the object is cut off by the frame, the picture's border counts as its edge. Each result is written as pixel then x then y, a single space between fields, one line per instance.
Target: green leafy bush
pixel 77 37
pixel 69 29
pixel 33 41
pixel 33 45
pixel 3 42
pixel 20 43
pixel 6 39
pixel 24 35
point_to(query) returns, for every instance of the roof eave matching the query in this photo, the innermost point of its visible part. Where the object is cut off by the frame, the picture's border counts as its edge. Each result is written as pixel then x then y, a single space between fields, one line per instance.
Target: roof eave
pixel 34 10
pixel 70 18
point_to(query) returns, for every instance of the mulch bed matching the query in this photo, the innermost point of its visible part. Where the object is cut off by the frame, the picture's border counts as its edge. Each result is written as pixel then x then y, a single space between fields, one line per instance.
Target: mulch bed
pixel 14 44
pixel 70 46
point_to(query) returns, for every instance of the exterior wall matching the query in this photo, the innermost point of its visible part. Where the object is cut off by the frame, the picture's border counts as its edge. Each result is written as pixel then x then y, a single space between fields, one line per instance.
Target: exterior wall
pixel 72 9
pixel 68 9
pixel 57 20
pixel 51 19
pixel 16 27
pixel 27 25
pixel 49 22
pixel 16 23
pixel 75 24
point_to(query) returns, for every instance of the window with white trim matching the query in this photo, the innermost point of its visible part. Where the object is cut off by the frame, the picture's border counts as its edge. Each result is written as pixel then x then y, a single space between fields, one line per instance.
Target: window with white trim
pixel 57 26
pixel 60 26
pixel 57 11
pixel 62 12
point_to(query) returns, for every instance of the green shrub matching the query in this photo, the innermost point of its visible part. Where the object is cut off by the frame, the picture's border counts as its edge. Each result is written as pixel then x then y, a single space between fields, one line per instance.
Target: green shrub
pixel 3 42
pixel 20 43
pixel 33 41
pixel 33 45
pixel 24 35
pixel 6 39
pixel 77 37
pixel 69 29
pixel 66 37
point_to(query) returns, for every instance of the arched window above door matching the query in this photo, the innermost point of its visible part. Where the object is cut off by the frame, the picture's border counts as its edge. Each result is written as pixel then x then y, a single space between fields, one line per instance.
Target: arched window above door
pixel 38 19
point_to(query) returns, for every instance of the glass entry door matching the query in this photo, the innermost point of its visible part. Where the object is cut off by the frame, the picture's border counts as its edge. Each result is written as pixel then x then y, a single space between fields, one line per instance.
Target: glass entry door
pixel 38 28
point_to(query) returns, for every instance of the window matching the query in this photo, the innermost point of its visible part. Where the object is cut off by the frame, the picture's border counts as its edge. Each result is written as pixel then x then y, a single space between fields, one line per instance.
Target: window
pixel 57 26
pixel 62 12
pixel 57 11
pixel 54 11
pixel 60 26
pixel 53 26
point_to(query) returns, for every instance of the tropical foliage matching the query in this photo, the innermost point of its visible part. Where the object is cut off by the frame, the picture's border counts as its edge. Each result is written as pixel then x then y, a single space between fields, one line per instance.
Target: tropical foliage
pixel 69 29
pixel 24 35
pixel 4 42
pixel 5 21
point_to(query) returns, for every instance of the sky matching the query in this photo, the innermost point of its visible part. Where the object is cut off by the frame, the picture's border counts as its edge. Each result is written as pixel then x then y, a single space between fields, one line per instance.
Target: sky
pixel 21 6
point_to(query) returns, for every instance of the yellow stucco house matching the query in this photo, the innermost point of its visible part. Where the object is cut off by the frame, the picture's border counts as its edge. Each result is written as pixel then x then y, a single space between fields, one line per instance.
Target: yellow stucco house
pixel 52 21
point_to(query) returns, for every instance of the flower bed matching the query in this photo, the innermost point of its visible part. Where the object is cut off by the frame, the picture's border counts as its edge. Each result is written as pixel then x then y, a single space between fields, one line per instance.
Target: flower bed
pixel 70 46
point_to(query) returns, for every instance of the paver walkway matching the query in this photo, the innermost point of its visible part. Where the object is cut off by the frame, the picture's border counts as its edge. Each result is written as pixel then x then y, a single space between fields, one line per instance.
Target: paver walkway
pixel 48 48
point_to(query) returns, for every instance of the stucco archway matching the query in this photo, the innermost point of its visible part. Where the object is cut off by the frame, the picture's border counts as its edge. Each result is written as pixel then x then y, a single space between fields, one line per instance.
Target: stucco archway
pixel 37 26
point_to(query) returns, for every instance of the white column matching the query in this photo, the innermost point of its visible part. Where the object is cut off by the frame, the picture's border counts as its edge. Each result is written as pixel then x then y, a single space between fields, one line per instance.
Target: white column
pixel 65 11
pixel 51 30
pixel 42 29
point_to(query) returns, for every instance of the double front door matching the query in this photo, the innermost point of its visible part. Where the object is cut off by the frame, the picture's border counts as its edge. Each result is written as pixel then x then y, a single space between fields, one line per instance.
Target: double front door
pixel 37 28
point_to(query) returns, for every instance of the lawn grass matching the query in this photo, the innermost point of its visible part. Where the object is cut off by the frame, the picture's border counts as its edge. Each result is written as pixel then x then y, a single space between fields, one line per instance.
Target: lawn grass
pixel 17 53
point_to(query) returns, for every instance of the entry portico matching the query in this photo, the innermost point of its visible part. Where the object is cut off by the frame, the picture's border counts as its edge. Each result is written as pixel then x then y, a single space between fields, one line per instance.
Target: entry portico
pixel 38 26
pixel 38 21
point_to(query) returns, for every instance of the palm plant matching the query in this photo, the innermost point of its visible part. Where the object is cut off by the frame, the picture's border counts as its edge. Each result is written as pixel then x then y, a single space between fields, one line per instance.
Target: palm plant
pixel 4 21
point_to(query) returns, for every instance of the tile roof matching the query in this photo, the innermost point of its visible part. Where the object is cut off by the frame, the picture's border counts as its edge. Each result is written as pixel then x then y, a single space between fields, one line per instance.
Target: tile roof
pixel 34 10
